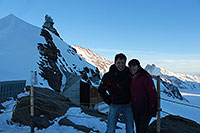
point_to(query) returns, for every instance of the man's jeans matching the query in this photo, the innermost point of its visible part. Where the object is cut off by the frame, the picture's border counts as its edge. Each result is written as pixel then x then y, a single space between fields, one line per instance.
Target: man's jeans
pixel 113 114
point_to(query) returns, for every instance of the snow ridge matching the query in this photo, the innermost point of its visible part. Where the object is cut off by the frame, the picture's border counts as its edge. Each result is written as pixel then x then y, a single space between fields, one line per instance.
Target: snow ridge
pixel 182 81
pixel 93 58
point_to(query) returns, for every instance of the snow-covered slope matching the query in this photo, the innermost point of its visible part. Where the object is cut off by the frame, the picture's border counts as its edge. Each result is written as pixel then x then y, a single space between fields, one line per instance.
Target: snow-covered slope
pixel 93 58
pixel 19 54
pixel 18 48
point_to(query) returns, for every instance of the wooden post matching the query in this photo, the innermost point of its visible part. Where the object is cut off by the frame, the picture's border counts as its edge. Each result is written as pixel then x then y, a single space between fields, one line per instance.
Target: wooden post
pixel 32 102
pixel 159 109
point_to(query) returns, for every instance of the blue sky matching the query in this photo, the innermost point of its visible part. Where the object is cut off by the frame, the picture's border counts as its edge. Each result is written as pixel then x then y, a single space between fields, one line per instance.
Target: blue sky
pixel 161 32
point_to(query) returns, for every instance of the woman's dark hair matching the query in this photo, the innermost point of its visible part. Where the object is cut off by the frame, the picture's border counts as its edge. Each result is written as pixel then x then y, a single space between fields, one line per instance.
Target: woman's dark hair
pixel 135 62
pixel 120 56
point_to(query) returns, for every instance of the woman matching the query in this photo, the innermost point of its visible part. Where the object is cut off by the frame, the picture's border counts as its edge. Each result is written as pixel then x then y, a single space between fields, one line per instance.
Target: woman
pixel 143 96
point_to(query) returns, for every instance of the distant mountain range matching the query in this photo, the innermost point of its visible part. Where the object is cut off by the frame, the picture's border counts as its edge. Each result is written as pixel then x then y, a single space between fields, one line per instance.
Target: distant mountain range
pixel 182 81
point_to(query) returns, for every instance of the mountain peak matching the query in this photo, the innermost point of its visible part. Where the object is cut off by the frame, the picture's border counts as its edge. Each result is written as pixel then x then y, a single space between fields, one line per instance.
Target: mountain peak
pixel 11 21
pixel 153 70
pixel 95 59
pixel 11 15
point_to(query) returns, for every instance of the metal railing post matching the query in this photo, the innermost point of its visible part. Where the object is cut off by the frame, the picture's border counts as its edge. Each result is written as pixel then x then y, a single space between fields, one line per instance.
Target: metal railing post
pixel 159 109
pixel 32 102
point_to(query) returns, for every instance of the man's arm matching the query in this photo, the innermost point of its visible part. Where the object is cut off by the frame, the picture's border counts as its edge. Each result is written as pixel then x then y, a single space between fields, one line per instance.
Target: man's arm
pixel 103 87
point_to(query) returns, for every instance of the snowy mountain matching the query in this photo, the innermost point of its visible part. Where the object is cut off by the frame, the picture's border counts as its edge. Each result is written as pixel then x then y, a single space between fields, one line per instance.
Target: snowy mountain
pixel 23 49
pixel 95 59
pixel 182 81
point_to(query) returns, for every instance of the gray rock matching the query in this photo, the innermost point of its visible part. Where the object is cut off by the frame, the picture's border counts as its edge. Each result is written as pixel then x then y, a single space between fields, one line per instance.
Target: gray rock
pixel 48 105
pixel 175 124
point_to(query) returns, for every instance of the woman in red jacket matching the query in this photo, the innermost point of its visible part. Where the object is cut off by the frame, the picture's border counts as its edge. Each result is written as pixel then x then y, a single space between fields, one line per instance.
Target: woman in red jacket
pixel 143 96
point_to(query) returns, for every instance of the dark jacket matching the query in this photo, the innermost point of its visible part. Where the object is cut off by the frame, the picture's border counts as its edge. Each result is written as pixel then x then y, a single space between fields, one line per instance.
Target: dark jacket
pixel 117 84
pixel 143 95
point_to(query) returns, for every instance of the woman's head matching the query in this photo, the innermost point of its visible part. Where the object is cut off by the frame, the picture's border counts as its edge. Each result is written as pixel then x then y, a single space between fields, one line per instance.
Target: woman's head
pixel 134 66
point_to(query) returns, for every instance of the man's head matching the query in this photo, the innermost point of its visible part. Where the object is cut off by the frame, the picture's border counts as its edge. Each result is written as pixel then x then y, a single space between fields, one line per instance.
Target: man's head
pixel 120 61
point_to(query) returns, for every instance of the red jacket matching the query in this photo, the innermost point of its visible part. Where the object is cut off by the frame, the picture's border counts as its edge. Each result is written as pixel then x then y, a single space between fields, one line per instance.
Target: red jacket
pixel 143 95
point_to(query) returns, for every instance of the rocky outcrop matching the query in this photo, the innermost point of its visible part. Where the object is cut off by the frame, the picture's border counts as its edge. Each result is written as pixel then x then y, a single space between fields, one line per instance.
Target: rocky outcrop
pixel 172 91
pixel 89 75
pixel 175 124
pixel 50 58
pixel 48 62
pixel 48 105
pixel 49 25
pixel 54 65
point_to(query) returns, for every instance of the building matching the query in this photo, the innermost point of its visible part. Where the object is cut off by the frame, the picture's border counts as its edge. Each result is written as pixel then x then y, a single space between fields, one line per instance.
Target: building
pixel 11 88
pixel 80 92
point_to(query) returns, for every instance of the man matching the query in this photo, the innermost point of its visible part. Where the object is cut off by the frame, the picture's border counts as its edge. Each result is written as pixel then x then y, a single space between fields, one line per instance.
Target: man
pixel 116 83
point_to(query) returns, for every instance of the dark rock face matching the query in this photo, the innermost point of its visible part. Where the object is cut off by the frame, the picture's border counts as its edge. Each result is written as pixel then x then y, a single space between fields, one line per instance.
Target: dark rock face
pixel 175 124
pixel 173 91
pixel 95 75
pixel 48 106
pixel 48 59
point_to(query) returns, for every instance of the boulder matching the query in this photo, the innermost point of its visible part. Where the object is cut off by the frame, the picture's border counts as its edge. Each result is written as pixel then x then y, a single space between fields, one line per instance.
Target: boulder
pixel 175 124
pixel 48 105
